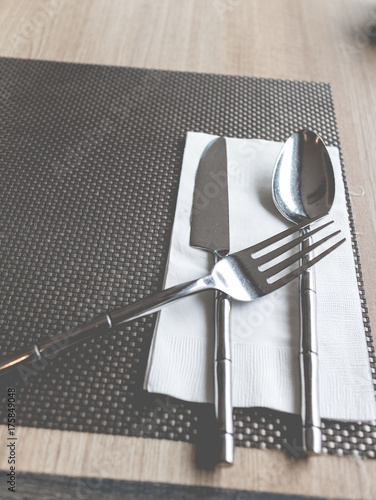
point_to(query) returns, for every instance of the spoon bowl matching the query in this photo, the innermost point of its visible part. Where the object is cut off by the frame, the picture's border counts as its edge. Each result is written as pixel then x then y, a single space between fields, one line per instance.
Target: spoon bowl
pixel 303 179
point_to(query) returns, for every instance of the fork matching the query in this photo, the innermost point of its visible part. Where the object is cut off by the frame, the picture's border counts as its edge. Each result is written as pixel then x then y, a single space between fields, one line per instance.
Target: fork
pixel 240 275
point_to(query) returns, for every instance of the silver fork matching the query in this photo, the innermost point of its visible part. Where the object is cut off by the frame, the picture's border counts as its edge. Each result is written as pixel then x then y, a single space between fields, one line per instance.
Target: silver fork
pixel 238 275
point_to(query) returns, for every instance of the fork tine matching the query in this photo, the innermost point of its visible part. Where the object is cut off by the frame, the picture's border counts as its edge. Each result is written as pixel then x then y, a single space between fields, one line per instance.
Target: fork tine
pixel 283 234
pixel 271 271
pixel 288 246
pixel 301 269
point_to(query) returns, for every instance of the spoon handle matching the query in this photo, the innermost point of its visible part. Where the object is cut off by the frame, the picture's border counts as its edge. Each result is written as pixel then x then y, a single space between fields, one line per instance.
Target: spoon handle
pixel 309 362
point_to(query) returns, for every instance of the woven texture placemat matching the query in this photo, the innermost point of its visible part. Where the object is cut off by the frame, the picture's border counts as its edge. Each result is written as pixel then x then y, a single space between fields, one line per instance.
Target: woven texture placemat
pixel 90 160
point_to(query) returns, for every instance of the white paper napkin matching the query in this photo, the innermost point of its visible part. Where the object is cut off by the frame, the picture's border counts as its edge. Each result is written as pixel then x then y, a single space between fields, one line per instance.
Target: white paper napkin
pixel 265 333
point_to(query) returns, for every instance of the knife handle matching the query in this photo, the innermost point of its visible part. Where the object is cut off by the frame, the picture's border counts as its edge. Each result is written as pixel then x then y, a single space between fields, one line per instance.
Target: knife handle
pixel 223 380
pixel 309 363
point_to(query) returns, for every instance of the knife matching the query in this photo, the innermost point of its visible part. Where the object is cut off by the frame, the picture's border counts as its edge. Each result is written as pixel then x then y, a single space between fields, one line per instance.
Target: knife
pixel 210 232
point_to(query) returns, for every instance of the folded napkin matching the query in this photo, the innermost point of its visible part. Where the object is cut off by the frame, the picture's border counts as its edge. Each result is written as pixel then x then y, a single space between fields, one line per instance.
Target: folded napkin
pixel 265 333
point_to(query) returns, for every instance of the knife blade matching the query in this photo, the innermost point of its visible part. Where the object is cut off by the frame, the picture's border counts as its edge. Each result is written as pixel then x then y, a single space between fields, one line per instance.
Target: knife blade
pixel 210 231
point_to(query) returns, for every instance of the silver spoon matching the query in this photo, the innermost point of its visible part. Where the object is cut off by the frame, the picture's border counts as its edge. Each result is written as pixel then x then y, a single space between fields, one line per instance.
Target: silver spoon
pixel 303 188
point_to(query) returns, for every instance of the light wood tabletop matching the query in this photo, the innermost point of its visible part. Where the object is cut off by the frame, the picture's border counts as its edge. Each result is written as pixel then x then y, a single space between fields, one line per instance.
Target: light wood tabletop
pixel 324 41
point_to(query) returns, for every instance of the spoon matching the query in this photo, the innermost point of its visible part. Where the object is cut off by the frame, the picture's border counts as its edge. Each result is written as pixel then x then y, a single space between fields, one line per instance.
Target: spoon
pixel 303 188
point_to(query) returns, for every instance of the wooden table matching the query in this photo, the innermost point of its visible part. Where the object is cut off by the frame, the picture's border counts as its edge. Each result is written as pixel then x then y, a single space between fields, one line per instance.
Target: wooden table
pixel 289 39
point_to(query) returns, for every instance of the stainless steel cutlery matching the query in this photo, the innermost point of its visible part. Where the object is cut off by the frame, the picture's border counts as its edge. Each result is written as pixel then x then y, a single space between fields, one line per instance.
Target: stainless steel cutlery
pixel 303 188
pixel 303 191
pixel 244 276
pixel 210 231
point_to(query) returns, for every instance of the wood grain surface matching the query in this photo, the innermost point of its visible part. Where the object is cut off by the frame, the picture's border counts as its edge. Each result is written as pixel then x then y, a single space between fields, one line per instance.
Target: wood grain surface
pixel 290 39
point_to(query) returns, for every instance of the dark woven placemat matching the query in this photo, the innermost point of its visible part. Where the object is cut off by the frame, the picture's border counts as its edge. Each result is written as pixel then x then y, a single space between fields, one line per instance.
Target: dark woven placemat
pixel 90 160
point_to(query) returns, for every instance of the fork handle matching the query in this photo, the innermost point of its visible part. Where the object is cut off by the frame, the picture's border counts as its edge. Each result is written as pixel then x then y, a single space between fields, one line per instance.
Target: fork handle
pixel 223 380
pixel 309 363
pixel 35 358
